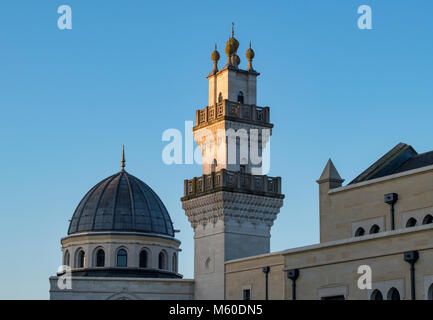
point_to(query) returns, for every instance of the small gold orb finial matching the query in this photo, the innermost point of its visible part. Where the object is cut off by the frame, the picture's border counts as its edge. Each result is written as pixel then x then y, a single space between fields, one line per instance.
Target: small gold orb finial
pixel 215 54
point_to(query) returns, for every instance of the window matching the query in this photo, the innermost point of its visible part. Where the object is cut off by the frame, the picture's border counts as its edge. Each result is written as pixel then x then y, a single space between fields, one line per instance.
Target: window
pixel 247 294
pixel 66 258
pixel 359 232
pixel 241 97
pixel 374 229
pixel 174 262
pixel 207 264
pixel 100 258
pixel 430 292
pixel 122 258
pixel 393 294
pixel 162 263
pixel 214 165
pixel 376 295
pixel 143 258
pixel 411 223
pixel 427 219
pixel 243 168
pixel 220 97
pixel 81 259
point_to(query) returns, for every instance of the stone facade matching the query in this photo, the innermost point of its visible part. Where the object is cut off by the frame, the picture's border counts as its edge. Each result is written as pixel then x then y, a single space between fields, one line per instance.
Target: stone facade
pixel 330 269
pixel 108 288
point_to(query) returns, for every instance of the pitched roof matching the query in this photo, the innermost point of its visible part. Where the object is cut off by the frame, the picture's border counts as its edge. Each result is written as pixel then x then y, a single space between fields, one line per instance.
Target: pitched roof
pixel 399 159
pixel 330 173
pixel 418 161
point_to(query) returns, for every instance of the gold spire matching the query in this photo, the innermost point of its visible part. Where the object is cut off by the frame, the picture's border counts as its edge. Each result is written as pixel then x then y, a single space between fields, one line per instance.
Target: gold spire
pixel 123 158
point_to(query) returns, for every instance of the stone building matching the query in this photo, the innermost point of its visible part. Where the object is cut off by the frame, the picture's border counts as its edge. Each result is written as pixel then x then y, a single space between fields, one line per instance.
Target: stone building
pixel 382 219
pixel 121 242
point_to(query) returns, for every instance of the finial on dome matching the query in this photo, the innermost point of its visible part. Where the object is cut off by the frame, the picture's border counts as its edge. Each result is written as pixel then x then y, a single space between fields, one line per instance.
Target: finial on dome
pixel 233 29
pixel 123 158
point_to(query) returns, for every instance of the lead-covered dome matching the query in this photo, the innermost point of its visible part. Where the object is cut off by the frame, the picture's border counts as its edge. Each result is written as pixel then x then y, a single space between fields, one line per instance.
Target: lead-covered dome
pixel 121 202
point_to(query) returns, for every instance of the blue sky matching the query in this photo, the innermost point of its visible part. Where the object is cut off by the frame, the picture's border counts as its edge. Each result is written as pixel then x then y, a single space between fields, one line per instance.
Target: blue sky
pixel 128 70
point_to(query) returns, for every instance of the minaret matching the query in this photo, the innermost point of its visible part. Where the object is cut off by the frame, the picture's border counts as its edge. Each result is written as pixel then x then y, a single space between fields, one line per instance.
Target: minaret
pixel 232 206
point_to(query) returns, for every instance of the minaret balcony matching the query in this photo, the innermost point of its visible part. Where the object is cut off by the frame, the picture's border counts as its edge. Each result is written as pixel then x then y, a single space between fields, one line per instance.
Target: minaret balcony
pixel 233 181
pixel 234 111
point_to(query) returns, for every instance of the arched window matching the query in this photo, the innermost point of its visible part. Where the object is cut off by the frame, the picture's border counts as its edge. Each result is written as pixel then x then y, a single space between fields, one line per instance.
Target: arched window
pixel 207 263
pixel 411 223
pixel 143 258
pixel 427 219
pixel 122 258
pixel 100 258
pixel 393 294
pixel 241 97
pixel 374 229
pixel 80 259
pixel 174 262
pixel 67 258
pixel 220 97
pixel 376 295
pixel 162 260
pixel 359 232
pixel 430 292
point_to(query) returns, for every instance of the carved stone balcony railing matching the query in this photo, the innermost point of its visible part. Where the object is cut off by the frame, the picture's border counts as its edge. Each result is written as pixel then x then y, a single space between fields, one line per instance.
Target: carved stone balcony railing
pixel 233 181
pixel 235 111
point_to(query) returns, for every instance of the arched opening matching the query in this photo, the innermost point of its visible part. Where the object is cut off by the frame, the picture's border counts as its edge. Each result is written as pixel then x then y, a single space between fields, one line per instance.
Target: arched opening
pixel 207 263
pixel 143 259
pixel 241 97
pixel 100 258
pixel 430 292
pixel 427 219
pixel 67 258
pixel 174 262
pixel 411 223
pixel 220 97
pixel 122 258
pixel 393 294
pixel 376 295
pixel 80 261
pixel 359 232
pixel 374 229
pixel 162 260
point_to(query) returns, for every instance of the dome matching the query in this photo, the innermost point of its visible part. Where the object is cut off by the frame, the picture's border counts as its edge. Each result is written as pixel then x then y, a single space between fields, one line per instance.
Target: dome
pixel 121 202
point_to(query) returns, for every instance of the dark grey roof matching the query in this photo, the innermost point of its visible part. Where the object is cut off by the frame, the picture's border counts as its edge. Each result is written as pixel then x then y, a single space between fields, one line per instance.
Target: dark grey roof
pixel 418 161
pixel 399 159
pixel 121 202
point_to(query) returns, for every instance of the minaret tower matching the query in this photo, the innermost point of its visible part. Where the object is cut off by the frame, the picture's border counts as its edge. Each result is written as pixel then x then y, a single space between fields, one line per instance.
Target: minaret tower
pixel 233 205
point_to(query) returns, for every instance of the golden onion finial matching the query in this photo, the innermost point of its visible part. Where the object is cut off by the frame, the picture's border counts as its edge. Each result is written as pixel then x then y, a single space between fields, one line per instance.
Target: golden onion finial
pixel 215 54
pixel 250 56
